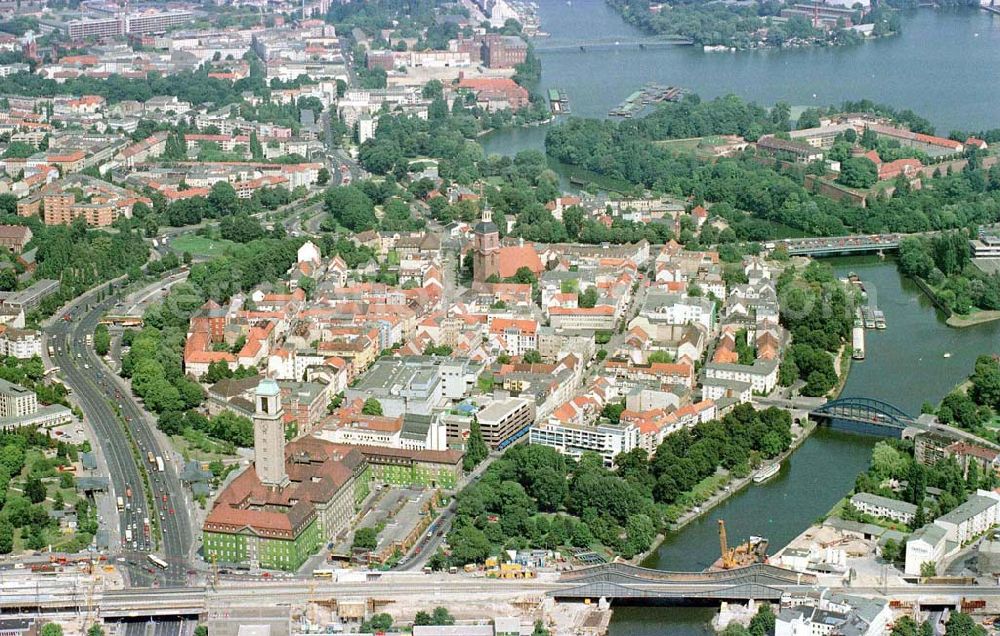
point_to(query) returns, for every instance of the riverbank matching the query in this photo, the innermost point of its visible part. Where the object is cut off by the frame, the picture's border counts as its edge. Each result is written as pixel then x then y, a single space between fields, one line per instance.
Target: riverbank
pixel 799 435
pixel 957 321
pixel 979 317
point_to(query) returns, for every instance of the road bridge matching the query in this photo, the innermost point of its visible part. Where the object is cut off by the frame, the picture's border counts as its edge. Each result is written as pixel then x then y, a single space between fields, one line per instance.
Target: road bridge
pixel 867 416
pixel 834 245
pixel 624 582
pixel 155 602
pixel 605 44
pixel 617 582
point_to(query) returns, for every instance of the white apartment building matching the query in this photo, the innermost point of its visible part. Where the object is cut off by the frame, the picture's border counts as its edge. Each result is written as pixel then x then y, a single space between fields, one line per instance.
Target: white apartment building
pixel 16 401
pixel 762 375
pixel 21 343
pixel 574 440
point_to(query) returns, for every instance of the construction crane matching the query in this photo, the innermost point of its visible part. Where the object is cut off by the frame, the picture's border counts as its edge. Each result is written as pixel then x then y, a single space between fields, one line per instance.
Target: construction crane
pixel 752 551
pixel 728 557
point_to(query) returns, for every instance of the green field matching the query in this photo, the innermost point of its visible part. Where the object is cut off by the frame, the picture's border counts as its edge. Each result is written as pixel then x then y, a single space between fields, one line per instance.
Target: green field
pixel 200 245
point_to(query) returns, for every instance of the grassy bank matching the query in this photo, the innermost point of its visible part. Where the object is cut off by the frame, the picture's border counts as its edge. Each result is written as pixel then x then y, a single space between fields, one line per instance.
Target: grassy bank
pixel 978 317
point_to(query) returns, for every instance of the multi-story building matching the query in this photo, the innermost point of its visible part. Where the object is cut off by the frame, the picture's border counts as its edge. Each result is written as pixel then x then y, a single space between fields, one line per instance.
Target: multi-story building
pixel 415 384
pixel 986 245
pixel 952 530
pixel 505 421
pixel 884 507
pixel 20 343
pixel 514 336
pixel 605 439
pixel 408 467
pixel 503 51
pixel 16 401
pixel 293 498
pixel 762 375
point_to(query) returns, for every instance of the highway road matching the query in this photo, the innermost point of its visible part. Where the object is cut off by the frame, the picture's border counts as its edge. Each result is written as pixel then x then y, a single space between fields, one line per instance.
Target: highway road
pixel 100 394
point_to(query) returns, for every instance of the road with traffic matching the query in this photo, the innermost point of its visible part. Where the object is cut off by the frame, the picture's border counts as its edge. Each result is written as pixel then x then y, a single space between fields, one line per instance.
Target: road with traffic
pixel 125 434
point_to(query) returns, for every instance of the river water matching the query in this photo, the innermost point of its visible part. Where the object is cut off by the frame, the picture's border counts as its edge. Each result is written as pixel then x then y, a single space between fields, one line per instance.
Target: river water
pixel 904 366
pixel 944 67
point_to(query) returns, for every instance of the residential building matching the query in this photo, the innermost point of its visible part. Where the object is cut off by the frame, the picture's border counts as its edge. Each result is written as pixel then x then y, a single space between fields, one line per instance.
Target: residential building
pixel 606 439
pixel 884 507
pixel 16 401
pixel 762 375
pixel 20 343
pixel 826 613
pixel 951 531
pixel 15 237
pixel 784 149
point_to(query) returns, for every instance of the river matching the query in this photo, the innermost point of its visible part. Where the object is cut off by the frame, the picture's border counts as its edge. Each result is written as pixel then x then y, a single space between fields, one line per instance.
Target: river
pixel 927 68
pixel 943 66
pixel 904 366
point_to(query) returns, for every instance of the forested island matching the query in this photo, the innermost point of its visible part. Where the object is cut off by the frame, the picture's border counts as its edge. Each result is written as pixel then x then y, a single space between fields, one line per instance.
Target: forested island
pixel 770 23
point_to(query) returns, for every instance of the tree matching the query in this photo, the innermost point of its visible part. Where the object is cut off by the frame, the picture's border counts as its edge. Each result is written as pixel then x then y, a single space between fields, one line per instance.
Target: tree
pixel 52 629
pixel 858 172
pixel 8 280
pixel 892 550
pixel 475 447
pixel 223 200
pixel 97 630
pixel 960 624
pixel 531 356
pixel 372 407
pixel 34 489
pixel 928 569
pixel 441 616
pixel 422 618
pixel 6 536
pixel 468 545
pixel 588 298
pixel 322 177
pixel 904 626
pixel 201 630
pixel 365 539
pixel 351 207
pixel 763 621
pixel 539 629
pixel 102 340
pixel 378 623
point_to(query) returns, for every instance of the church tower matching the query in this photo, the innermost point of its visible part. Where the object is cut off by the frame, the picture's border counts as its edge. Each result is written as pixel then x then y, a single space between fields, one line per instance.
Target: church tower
pixel 269 435
pixel 486 247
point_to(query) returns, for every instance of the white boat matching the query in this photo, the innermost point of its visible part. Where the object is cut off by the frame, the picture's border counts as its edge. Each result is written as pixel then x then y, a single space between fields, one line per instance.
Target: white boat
pixel 766 473
pixel 947 355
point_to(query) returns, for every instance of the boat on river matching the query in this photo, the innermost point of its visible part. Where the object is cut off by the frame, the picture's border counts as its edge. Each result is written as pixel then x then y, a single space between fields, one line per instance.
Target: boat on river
pixel 766 473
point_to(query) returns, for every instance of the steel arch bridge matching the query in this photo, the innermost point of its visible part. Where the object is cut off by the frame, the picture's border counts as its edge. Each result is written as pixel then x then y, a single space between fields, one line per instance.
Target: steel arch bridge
pixel 864 415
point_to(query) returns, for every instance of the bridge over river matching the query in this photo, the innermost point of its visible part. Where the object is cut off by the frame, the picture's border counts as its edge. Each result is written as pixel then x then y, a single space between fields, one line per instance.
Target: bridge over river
pixel 624 582
pixel 604 44
pixel 869 416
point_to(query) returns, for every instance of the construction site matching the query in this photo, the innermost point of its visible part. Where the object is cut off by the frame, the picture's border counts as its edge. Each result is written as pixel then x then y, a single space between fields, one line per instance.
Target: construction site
pixel 753 550
pixel 346 615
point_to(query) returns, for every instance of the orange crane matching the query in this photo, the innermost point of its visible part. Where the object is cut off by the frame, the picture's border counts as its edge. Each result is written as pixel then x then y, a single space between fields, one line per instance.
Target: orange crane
pixel 728 558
